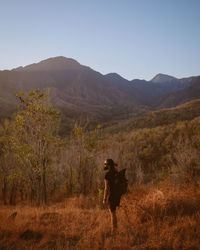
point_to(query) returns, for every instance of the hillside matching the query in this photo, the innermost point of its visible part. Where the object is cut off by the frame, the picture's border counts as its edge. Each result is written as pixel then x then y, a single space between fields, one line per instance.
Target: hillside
pixel 182 96
pixel 184 112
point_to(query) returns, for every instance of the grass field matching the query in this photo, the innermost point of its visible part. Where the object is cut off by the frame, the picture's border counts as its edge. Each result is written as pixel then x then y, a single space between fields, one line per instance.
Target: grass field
pixel 149 218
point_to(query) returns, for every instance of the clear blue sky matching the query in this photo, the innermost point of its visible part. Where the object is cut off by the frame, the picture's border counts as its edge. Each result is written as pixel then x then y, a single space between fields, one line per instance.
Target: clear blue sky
pixel 135 38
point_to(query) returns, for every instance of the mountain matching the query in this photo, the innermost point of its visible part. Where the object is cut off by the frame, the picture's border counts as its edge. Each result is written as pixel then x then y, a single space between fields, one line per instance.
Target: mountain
pixel 59 63
pixel 79 91
pixel 148 92
pixel 162 78
pixel 115 77
pixel 182 96
pixel 160 86
pixel 76 89
pixel 127 87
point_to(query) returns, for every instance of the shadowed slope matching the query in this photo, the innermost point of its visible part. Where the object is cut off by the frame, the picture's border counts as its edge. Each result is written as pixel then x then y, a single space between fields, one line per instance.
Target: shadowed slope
pixel 182 96
pixel 184 112
pixel 76 89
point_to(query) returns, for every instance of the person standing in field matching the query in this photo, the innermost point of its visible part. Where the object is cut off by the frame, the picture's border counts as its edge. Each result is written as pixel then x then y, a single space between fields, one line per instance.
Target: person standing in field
pixel 111 193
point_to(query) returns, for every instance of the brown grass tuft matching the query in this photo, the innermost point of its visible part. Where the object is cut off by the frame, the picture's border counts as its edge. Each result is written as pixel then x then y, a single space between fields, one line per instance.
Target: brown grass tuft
pixel 148 218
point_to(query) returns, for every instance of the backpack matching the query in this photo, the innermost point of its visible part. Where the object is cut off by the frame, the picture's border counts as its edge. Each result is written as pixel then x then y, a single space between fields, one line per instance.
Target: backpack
pixel 121 183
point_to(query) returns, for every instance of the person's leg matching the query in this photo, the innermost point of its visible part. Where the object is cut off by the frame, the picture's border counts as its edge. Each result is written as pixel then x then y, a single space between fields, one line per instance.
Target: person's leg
pixel 113 220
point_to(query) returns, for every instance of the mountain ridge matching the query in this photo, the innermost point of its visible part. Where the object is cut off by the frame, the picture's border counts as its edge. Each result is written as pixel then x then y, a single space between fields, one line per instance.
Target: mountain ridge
pixel 58 63
pixel 163 78
pixel 79 90
pixel 69 63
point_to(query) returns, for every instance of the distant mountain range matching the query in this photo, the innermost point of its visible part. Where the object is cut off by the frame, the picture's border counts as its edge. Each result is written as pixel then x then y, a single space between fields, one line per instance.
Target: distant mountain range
pixel 78 90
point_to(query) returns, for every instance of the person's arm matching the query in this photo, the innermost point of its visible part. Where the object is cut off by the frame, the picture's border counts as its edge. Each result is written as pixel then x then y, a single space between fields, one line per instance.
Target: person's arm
pixel 105 191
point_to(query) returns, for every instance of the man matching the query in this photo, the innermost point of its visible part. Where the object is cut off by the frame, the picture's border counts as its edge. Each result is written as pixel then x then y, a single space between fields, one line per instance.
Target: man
pixel 111 193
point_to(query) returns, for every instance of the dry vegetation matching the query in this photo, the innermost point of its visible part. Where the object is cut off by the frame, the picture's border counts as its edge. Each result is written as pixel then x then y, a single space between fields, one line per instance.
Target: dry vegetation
pixel 149 218
pixel 51 188
pixel 166 116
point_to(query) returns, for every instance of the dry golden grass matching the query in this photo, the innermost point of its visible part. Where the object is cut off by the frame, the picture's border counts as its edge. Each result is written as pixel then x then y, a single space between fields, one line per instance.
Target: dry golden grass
pixel 148 218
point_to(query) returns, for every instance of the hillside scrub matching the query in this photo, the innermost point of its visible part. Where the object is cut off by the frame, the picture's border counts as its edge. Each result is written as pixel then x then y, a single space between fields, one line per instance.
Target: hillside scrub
pixel 39 167
pixel 185 112
pixel 165 217
pixel 156 154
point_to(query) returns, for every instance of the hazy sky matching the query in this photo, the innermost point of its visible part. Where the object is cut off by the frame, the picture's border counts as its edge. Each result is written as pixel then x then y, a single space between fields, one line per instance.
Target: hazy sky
pixel 135 38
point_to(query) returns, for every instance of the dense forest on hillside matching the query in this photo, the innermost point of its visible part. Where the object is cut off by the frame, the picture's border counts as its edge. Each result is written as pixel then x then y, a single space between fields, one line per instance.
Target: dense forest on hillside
pixel 39 167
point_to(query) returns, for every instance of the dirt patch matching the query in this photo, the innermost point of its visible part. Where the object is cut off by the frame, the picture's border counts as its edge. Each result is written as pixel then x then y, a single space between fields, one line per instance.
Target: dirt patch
pixel 31 235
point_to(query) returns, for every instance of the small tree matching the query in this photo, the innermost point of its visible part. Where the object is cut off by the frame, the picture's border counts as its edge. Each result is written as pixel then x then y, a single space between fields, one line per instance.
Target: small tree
pixel 5 157
pixel 35 139
pixel 81 164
